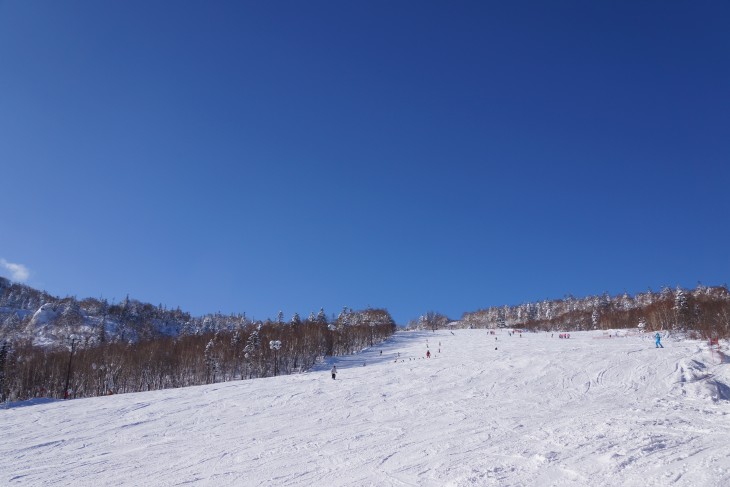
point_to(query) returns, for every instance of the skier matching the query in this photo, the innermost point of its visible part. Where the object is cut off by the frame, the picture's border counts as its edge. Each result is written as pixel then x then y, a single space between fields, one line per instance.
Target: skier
pixel 658 340
pixel 428 354
pixel 334 371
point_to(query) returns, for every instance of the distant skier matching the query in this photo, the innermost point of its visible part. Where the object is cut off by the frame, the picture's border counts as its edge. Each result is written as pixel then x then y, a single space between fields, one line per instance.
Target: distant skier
pixel 334 371
pixel 428 354
pixel 658 338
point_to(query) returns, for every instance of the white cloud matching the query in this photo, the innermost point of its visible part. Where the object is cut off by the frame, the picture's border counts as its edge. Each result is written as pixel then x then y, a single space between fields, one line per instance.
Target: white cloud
pixel 18 272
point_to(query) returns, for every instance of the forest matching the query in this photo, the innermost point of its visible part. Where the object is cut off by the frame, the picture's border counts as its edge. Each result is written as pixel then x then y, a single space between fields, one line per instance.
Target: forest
pixel 63 347
pixel 703 312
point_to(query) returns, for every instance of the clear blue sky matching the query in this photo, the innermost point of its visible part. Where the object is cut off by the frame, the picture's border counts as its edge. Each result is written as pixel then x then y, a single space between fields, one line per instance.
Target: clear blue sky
pixel 448 156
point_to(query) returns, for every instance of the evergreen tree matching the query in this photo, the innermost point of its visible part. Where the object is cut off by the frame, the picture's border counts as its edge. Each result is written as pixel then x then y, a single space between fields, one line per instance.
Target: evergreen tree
pixel 252 346
pixel 681 308
pixel 211 362
pixel 595 318
pixel 321 317
pixel 343 319
pixel 295 320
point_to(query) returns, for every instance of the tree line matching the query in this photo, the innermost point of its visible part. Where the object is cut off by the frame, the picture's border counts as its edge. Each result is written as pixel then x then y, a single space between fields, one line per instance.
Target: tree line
pixel 703 312
pixel 98 367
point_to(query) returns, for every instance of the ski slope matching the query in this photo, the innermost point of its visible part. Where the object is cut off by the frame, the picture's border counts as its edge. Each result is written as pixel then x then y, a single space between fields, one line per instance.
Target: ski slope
pixel 584 411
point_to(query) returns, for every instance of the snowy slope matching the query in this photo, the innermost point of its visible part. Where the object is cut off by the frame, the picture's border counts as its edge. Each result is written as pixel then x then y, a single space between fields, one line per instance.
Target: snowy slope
pixel 587 411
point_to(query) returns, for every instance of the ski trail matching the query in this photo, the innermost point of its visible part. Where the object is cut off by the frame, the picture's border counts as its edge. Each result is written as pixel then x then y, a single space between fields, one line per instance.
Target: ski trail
pixel 536 411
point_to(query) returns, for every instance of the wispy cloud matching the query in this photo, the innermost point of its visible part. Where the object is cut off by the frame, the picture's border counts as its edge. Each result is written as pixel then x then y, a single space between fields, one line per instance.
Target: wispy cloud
pixel 18 272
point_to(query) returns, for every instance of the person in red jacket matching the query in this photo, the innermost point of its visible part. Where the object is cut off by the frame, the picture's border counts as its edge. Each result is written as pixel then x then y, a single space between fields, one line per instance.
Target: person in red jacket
pixel 428 353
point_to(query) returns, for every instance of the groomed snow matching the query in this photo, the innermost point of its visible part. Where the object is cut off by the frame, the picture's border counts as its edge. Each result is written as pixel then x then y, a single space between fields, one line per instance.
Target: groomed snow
pixel 586 411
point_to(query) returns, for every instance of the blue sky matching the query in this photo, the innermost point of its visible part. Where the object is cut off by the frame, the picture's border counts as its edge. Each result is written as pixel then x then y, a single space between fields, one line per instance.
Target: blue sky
pixel 448 156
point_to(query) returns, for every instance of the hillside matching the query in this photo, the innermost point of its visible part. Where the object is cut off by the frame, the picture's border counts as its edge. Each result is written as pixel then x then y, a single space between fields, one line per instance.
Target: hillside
pixel 28 314
pixel 38 318
pixel 484 410
pixel 703 311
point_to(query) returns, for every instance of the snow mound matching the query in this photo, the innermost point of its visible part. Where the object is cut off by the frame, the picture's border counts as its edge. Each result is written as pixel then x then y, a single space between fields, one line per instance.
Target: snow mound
pixel 694 380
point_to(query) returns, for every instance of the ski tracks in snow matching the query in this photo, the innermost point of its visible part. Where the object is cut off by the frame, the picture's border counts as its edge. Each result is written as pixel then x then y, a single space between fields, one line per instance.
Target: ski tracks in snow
pixel 535 411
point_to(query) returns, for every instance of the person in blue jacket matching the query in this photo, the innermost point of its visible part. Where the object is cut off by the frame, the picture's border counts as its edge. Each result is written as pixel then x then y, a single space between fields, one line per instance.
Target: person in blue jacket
pixel 658 340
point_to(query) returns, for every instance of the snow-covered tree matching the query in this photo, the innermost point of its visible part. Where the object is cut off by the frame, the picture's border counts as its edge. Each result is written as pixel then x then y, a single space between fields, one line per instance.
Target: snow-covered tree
pixel 432 320
pixel 595 318
pixel 296 320
pixel 343 319
pixel 212 364
pixel 321 317
pixel 4 351
pixel 681 308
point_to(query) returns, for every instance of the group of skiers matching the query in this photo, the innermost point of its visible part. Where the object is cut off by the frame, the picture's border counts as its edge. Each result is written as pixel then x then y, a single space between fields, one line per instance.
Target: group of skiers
pixel 657 337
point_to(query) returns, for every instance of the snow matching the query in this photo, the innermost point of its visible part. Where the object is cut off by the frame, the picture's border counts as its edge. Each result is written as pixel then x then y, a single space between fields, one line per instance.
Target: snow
pixel 45 314
pixel 534 411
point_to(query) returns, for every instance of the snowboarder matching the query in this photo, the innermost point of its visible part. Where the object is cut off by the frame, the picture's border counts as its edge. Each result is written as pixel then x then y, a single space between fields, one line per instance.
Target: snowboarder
pixel 334 371
pixel 658 340
pixel 428 354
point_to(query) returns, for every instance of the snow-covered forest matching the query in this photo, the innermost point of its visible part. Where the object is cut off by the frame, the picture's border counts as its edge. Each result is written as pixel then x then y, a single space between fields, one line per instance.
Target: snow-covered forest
pixel 703 312
pixel 102 349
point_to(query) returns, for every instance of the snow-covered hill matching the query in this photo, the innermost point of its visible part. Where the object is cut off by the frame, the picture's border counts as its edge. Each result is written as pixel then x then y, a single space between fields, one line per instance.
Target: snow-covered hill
pixel 483 410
